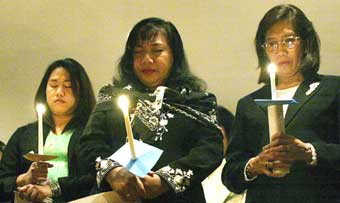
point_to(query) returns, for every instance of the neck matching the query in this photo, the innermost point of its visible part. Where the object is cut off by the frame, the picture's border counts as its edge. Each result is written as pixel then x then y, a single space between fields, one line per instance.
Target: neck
pixel 60 123
pixel 287 82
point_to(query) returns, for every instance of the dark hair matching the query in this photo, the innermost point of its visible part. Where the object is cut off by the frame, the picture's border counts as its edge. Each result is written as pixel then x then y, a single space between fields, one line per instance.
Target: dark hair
pixel 224 118
pixel 146 29
pixel 81 87
pixel 310 58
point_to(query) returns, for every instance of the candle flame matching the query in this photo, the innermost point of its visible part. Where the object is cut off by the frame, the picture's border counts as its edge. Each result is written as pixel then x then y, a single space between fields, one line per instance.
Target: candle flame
pixel 271 68
pixel 123 103
pixel 40 108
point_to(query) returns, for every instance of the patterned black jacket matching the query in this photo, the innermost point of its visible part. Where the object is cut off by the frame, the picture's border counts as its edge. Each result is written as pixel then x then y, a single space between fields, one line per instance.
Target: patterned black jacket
pixel 182 123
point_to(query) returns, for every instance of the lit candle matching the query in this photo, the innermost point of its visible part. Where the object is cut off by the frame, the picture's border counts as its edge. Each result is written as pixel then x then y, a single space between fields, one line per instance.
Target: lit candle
pixel 272 71
pixel 123 103
pixel 40 110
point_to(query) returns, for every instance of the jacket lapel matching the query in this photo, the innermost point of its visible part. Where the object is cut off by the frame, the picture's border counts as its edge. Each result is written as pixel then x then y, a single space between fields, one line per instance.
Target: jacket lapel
pixel 72 145
pixel 302 95
pixel 263 93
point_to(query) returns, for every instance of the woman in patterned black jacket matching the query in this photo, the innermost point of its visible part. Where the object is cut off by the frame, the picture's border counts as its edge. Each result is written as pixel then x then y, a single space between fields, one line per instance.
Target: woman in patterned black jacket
pixel 170 110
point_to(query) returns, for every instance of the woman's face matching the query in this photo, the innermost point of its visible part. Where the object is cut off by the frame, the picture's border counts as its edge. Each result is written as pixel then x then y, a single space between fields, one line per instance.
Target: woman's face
pixel 59 94
pixel 287 55
pixel 152 61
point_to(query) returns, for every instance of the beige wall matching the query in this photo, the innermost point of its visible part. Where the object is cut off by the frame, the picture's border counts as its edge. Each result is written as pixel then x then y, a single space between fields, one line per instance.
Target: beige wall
pixel 218 37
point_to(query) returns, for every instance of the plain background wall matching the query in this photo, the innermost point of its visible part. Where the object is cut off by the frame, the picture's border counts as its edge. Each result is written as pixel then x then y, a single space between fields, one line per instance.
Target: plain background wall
pixel 218 38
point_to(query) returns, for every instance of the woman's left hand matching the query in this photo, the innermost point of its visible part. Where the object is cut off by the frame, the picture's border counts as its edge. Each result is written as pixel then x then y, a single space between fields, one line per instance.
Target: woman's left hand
pixel 154 186
pixel 288 149
pixel 35 192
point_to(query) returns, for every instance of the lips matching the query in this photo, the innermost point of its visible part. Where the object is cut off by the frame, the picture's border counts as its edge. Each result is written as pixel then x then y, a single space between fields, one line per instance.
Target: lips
pixel 59 101
pixel 283 63
pixel 148 71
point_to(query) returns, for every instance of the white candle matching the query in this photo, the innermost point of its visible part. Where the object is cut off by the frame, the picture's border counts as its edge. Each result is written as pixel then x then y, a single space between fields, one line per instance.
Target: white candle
pixel 40 110
pixel 123 103
pixel 272 71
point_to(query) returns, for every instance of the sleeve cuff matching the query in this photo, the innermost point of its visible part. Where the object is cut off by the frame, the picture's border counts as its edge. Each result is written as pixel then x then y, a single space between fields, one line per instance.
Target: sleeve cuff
pixel 246 178
pixel 177 179
pixel 104 166
pixel 311 148
pixel 55 188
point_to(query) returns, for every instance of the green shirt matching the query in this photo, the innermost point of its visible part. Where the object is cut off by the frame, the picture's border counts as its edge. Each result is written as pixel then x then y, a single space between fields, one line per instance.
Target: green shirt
pixel 58 145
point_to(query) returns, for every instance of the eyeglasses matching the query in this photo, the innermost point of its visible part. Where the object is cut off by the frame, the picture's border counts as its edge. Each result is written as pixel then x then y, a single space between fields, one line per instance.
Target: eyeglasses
pixel 288 42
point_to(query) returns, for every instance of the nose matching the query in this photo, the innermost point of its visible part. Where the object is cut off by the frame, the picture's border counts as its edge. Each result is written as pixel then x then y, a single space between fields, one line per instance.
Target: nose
pixel 147 58
pixel 60 91
pixel 282 49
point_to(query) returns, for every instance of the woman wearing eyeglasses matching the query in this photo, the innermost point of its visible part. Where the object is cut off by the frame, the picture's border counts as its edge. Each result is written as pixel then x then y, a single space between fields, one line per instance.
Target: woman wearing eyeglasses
pixel 310 148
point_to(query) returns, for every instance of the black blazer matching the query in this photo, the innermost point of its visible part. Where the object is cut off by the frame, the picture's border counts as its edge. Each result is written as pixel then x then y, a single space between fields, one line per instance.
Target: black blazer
pixel 24 139
pixel 315 120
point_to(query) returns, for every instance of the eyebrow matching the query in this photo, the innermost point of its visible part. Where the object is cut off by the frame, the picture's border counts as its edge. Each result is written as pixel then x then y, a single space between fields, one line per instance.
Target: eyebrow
pixel 152 44
pixel 284 36
pixel 157 43
pixel 56 80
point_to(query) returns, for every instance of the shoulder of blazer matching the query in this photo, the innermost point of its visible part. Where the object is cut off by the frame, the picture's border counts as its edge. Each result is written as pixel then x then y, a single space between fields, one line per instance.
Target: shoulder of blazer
pixel 329 82
pixel 330 78
pixel 28 128
pixel 261 93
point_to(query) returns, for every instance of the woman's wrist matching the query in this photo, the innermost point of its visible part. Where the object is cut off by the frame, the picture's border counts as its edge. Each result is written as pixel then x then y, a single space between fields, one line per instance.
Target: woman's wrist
pixel 55 188
pixel 250 168
pixel 104 167
pixel 311 158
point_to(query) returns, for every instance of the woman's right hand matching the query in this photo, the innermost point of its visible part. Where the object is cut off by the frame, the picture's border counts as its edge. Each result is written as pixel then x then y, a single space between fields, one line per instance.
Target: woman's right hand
pixel 129 187
pixel 264 163
pixel 35 174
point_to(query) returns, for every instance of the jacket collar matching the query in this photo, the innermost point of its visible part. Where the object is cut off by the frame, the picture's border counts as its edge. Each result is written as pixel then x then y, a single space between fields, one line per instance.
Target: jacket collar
pixel 307 89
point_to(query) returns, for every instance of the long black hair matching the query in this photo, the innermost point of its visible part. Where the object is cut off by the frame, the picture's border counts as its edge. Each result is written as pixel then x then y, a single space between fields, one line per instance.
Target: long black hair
pixel 81 88
pixel 146 29
pixel 310 58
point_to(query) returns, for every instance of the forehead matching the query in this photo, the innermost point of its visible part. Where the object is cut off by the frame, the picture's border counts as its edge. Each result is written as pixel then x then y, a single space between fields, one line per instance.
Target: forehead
pixel 280 29
pixel 158 38
pixel 60 73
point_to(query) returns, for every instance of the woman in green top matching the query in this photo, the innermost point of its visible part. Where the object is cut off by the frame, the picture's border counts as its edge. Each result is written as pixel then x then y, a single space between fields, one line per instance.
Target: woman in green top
pixel 67 93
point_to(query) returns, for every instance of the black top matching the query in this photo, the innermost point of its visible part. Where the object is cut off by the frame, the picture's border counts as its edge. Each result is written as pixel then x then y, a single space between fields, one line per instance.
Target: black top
pixel 183 125
pixel 13 163
pixel 315 120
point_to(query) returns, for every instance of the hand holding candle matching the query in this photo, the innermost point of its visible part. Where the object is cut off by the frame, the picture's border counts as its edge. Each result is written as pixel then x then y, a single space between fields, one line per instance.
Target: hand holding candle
pixel 123 103
pixel 272 71
pixel 40 111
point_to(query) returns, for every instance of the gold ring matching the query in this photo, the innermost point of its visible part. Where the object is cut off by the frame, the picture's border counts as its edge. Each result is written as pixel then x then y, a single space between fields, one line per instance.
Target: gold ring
pixel 269 165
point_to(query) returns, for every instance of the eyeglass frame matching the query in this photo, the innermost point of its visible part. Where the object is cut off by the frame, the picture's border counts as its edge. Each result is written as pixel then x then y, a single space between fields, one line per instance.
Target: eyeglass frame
pixel 281 42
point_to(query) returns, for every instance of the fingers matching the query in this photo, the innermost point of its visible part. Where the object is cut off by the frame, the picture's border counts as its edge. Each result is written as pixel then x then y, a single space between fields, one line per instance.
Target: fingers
pixel 269 165
pixel 287 153
pixel 38 176
pixel 151 173
pixel 41 165
pixel 23 188
pixel 140 187
pixel 34 193
pixel 276 169
pixel 39 173
pixel 44 165
pixel 279 140
pixel 27 192
pixel 127 185
pixel 128 194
